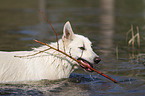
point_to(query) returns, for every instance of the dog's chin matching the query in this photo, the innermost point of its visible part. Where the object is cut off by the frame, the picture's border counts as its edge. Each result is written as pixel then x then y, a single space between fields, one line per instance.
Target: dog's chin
pixel 86 63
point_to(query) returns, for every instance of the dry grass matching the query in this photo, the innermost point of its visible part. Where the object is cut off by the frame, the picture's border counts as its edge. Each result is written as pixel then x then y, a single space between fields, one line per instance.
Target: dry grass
pixel 134 37
pixel 134 40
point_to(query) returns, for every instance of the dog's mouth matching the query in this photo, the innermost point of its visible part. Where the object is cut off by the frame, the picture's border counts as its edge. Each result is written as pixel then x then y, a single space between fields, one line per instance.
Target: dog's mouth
pixel 87 64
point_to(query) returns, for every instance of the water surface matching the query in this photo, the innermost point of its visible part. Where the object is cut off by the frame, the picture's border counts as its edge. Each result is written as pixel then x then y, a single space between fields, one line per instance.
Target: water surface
pixel 105 23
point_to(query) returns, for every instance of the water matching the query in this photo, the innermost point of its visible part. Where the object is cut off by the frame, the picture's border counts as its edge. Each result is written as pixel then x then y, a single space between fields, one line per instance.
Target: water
pixel 104 22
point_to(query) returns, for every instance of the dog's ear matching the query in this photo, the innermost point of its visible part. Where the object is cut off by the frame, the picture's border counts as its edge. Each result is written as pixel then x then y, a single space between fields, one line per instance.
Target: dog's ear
pixel 67 32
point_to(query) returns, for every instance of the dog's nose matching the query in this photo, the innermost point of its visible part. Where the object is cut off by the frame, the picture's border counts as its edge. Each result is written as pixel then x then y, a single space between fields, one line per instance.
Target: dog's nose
pixel 97 60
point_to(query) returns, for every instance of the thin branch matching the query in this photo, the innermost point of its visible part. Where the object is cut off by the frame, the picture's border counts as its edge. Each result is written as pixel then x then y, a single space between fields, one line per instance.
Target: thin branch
pixel 52 29
pixel 77 61
pixel 33 54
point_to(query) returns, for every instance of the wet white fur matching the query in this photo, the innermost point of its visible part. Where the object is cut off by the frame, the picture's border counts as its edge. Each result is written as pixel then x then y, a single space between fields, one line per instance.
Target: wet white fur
pixel 51 64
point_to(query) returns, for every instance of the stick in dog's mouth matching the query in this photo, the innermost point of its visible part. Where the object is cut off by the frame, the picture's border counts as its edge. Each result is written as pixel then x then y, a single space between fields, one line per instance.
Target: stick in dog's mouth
pixel 86 63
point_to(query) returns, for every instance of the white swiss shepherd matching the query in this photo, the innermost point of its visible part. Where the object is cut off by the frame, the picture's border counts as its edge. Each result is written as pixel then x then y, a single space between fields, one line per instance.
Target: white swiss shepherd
pixel 50 64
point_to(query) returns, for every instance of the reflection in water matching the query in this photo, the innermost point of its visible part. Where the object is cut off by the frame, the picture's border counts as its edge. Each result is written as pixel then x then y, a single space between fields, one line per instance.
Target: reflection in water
pixel 107 24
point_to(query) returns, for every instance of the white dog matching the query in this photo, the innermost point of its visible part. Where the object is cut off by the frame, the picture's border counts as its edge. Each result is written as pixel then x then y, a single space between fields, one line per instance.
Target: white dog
pixel 50 64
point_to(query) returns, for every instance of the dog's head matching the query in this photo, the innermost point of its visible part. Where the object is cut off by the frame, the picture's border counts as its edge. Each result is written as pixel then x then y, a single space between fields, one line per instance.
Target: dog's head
pixel 79 47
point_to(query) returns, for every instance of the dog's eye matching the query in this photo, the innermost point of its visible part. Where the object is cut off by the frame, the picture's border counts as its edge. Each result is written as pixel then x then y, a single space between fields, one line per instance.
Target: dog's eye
pixel 82 48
